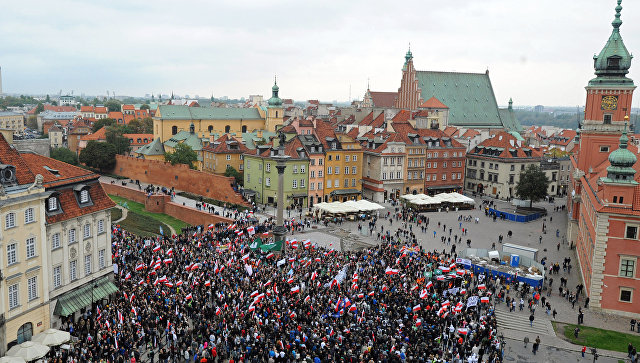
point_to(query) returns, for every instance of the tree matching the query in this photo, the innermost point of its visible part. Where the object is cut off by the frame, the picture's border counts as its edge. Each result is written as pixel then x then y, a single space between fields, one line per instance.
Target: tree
pixel 113 105
pixel 47 99
pixel 114 136
pixel 141 126
pixel 183 154
pixel 232 172
pixel 99 155
pixel 32 122
pixel 39 108
pixel 145 107
pixel 532 185
pixel 105 122
pixel 65 155
pixel 54 103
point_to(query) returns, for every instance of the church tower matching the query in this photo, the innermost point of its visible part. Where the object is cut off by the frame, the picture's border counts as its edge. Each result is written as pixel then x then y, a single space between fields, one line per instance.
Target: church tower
pixel 275 112
pixel 609 97
pixel 409 94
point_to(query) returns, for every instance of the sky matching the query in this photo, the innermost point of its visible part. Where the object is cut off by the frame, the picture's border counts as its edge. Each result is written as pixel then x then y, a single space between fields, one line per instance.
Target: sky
pixel 537 52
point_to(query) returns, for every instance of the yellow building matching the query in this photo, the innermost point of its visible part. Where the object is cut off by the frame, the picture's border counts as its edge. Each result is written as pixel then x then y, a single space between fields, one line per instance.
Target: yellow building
pixel 151 151
pixel 343 164
pixel 223 153
pixel 11 120
pixel 24 304
pixel 170 119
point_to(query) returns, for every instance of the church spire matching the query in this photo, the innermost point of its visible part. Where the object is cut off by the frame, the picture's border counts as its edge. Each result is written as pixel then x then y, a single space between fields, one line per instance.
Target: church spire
pixel 622 161
pixel 614 60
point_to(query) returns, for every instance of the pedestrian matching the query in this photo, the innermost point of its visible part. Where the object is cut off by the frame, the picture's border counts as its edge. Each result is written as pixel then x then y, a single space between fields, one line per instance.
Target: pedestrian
pixel 531 318
pixel 536 345
pixel 526 341
pixel 584 349
pixel 633 324
pixel 540 239
pixel 554 314
pixel 575 332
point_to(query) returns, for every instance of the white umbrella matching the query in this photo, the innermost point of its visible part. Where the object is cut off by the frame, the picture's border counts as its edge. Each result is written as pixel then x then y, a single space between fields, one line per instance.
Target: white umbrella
pixel 28 351
pixel 8 359
pixel 52 337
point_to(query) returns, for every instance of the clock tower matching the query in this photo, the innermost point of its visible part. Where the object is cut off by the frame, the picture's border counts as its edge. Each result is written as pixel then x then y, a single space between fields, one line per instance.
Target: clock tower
pixel 609 97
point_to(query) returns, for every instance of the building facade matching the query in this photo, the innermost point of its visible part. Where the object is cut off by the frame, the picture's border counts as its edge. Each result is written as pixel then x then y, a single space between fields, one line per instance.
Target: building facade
pixel 604 202
pixel 11 120
pixel 223 153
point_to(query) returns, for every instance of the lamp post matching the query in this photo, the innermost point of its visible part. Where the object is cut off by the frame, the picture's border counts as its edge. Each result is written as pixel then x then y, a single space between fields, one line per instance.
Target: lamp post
pixel 279 231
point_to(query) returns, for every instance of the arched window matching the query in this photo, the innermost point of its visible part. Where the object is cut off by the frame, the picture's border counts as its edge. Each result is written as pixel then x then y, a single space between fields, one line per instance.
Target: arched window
pixel 244 129
pixel 210 128
pixel 25 332
pixel 174 130
pixel 227 129
pixel 276 114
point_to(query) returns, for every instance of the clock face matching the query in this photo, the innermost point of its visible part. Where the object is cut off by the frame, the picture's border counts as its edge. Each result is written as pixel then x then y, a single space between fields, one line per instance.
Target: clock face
pixel 609 103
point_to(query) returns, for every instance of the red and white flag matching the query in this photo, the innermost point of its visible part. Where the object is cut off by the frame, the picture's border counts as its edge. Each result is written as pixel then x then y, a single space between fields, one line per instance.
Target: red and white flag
pixel 157 248
pixel 167 261
pixel 391 271
pixel 424 294
pixel 295 289
pixel 484 299
pixel 416 308
pixel 188 297
pixel 170 251
pixel 140 266
pixel 128 276
pixel 482 287
pixel 251 230
pixel 314 275
pixel 463 331
pixel 271 254
pixel 246 257
pixel 307 299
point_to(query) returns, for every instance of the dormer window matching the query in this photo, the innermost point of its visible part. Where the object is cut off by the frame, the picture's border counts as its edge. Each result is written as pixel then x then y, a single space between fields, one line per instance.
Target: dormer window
pixel 82 195
pixel 53 205
pixel 613 62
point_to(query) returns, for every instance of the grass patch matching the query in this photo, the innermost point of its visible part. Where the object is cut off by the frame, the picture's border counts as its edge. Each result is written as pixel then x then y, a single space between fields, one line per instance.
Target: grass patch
pixel 142 225
pixel 196 197
pixel 116 213
pixel 138 208
pixel 598 338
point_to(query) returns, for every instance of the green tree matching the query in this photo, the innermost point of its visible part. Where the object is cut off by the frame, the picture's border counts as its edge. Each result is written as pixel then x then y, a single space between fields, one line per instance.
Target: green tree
pixel 39 108
pixel 47 99
pixel 99 155
pixel 114 136
pixel 232 172
pixel 32 122
pixel 145 107
pixel 113 105
pixel 65 155
pixel 141 126
pixel 532 185
pixel 105 122
pixel 54 103
pixel 183 154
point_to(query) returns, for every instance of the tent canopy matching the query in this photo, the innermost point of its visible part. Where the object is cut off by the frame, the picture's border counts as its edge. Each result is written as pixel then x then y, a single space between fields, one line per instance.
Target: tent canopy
pixel 422 199
pixel 351 206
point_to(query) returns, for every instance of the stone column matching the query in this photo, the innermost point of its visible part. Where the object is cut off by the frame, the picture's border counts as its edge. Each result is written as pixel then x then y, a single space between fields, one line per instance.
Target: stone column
pixel 279 231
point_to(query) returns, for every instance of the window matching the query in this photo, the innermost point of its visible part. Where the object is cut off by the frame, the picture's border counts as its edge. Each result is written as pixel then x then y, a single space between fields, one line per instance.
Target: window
pixel 459 175
pixel 353 182
pixel 346 158
pixel 346 170
pixel 444 164
pixel 84 196
pixel 337 157
pixel 295 184
pixel 268 167
pixel 632 231
pixel 435 165
pixel 330 157
pixel 627 267
pixel 57 277
pixel 10 220
pixel 267 182
pixel 604 149
pixel 319 173
pixel 320 161
pixel 346 183
pixel 73 273
pixel 228 157
pixel 227 129
pixel 86 231
pixel 101 261
pixel 607 119
pixel 32 288
pixel 259 180
pixel 302 182
pixel 295 169
pixel 428 177
pixel 354 170
pixel 355 158
pixel 453 176
pixel 312 173
pixel 626 294
pixel 428 155
pixel 444 176
pixel 336 170
pixel 319 185
pixel 28 216
pixel 329 170
pixel 55 241
pixel 13 296
pixel 302 168
pixel 312 186
pixel 409 176
pixel 328 184
pixel 513 167
pixel 31 247
pixel 384 176
pixel 248 178
pixel 12 254
pixel 87 265
pixel 174 130
pixel 101 226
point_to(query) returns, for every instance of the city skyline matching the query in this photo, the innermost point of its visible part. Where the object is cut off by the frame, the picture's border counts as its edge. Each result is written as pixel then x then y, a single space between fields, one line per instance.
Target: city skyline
pixel 536 54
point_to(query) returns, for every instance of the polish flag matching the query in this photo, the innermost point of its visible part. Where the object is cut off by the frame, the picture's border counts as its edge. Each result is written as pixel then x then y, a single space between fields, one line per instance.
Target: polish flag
pixel 355 277
pixel 385 288
pixel 189 267
pixel 446 303
pixel 353 308
pixel 424 294
pixel 207 283
pixel 170 251
pixel 484 299
pixel 167 261
pixel 271 254
pixel 317 259
pixel 440 278
pixel 463 331
pixel 120 317
pixel 295 289
pixel 157 248
pixel 307 299
pixel 211 226
pixel 414 287
pixel 179 283
pixel 246 257
pixel 306 243
pixel 254 294
pixel 371 293
pixel 196 266
pixel 231 226
pixel 252 308
pixel 461 272
pixel 416 308
pixel 354 287
pixel 390 271
pixel 418 322
pixel 128 276
pixel 240 233
pixel 463 291
pixel 452 266
pixel 218 311
pixel 429 285
pixel 157 266
pixel 482 287
pixel 133 310
pixel 347 302
pixel 360 296
pixel 141 282
pixel 444 269
pixel 251 230
pixel 140 266
pixel 168 284
pixel 290 280
pixel 265 234
pixel 292 315
pixel 267 283
pixel 314 275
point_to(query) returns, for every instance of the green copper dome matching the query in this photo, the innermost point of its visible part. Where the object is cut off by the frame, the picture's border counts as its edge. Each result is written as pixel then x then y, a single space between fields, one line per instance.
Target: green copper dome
pixel 614 60
pixel 622 161
pixel 275 101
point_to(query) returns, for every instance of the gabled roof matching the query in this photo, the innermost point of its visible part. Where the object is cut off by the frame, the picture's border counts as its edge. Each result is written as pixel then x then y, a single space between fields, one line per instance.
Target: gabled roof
pixel 100 109
pixel 86 109
pixel 101 134
pixel 433 103
pixel 10 156
pixel 170 112
pixel 155 147
pixel 383 99
pixel 223 146
pixel 504 145
pixel 187 138
pixel 142 137
pixel 402 116
pixel 56 172
pixel 451 131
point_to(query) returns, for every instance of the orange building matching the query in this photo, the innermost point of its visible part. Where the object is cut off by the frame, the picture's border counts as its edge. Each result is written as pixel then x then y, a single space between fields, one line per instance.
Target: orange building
pixel 604 207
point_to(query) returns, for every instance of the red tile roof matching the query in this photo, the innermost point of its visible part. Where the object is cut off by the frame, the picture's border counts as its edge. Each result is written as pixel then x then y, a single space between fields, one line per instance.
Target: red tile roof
pixel 10 156
pixel 128 107
pixel 470 133
pixel 67 173
pixel 383 99
pixel 98 135
pixel 402 116
pixel 221 146
pixel 500 145
pixel 100 110
pixel 433 103
pixel 54 108
pixel 450 131
pixel 142 137
pixel 70 207
pixel 86 109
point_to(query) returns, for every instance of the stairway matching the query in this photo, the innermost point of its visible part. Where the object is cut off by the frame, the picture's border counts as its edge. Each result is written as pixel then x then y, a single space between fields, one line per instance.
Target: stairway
pixel 519 320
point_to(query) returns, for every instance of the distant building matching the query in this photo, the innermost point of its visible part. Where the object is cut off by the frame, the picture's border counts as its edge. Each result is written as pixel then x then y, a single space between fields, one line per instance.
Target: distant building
pixel 56 137
pixel 12 120
pixel 225 152
pixel 538 108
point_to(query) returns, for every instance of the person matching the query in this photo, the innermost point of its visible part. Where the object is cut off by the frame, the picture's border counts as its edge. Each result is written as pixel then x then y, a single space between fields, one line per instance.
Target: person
pixel 630 349
pixel 536 345
pixel 633 324
pixel 584 349
pixel 526 341
pixel 575 332
pixel 554 314
pixel 531 317
pixel 580 316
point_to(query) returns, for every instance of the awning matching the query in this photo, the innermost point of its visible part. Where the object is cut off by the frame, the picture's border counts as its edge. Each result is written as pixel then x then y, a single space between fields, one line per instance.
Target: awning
pixel 81 297
pixel 439 187
pixel 299 195
pixel 345 191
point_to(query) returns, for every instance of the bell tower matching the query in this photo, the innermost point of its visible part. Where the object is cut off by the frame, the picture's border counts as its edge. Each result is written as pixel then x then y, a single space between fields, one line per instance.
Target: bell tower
pixel 275 112
pixel 609 97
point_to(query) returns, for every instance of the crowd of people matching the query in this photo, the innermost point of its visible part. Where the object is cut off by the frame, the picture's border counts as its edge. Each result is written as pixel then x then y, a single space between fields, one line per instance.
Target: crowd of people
pixel 211 294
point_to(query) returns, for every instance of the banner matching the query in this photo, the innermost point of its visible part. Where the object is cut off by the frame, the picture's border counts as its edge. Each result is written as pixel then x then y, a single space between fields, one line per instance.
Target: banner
pixel 274 246
pixel 256 244
pixel 473 301
pixel 464 262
